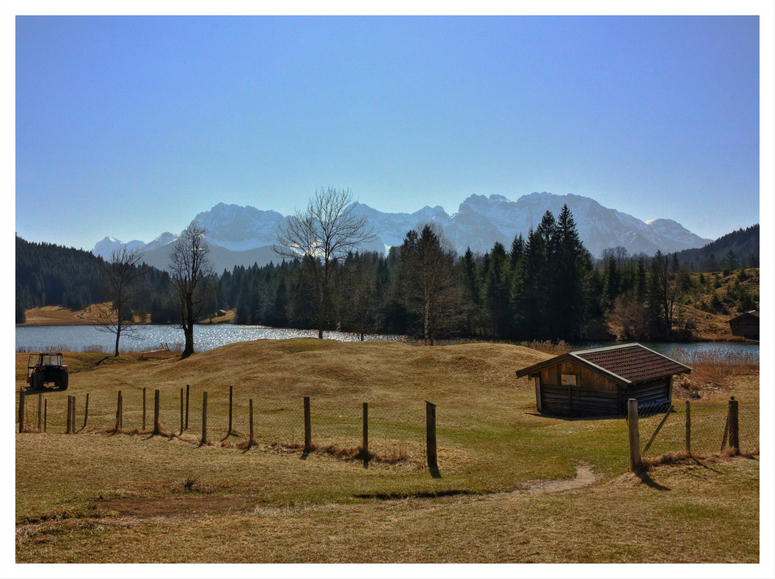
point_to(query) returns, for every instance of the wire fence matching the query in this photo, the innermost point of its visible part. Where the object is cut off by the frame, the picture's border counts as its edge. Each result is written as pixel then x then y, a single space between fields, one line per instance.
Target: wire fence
pixel 384 430
pixel 391 432
pixel 701 429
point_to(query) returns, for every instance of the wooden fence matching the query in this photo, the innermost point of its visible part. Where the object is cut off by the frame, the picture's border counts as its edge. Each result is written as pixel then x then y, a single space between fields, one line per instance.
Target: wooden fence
pixel 370 432
pixel 696 429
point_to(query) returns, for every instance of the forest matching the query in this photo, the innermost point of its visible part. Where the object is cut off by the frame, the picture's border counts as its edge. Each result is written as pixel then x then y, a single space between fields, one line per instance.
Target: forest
pixel 545 286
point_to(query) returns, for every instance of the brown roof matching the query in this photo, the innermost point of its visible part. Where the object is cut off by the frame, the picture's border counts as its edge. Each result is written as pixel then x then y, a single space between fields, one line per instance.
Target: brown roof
pixel 633 362
pixel 626 364
pixel 750 314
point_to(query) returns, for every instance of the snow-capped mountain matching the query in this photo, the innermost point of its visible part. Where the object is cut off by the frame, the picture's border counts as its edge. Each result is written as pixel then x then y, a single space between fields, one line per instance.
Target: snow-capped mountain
pixel 244 235
pixel 481 221
pixel 107 246
pixel 599 227
pixel 240 228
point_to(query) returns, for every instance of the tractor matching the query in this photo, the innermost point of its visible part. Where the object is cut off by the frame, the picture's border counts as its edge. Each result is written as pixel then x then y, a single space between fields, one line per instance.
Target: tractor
pixel 45 368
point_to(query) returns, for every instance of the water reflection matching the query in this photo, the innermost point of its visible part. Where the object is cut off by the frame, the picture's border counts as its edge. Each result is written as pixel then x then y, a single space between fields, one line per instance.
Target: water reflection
pixel 206 337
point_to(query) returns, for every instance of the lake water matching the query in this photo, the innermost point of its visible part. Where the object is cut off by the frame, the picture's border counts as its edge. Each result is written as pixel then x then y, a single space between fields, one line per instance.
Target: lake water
pixel 153 337
pixel 206 337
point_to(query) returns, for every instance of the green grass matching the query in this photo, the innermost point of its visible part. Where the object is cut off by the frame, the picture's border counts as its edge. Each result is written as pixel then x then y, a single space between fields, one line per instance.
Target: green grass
pixel 103 497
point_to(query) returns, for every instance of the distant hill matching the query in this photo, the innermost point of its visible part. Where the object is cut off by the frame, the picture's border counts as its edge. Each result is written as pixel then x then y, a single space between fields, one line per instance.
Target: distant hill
pixel 48 274
pixel 743 243
pixel 53 275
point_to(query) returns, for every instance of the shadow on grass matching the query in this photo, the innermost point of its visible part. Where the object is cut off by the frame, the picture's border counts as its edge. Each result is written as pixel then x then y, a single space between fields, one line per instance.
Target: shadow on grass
pixel 566 418
pixel 648 481
pixel 417 495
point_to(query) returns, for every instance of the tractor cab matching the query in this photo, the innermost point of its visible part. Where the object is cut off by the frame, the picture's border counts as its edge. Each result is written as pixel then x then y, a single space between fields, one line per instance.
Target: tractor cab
pixel 47 367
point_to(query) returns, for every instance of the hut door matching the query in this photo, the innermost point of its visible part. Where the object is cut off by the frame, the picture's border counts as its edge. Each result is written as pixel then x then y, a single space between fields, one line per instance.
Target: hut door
pixel 569 380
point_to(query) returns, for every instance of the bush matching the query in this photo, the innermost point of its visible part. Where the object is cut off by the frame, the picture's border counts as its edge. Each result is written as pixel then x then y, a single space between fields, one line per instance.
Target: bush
pixel 715 303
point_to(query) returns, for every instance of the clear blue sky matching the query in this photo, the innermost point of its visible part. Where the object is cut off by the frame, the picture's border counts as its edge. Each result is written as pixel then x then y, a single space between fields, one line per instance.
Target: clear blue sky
pixel 130 126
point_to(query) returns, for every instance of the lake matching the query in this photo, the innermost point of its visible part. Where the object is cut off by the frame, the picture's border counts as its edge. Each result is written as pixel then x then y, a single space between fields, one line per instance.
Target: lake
pixel 155 337
pixel 207 337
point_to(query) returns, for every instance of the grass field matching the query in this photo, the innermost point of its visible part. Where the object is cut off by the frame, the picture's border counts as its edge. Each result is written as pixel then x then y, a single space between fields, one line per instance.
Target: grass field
pixel 514 486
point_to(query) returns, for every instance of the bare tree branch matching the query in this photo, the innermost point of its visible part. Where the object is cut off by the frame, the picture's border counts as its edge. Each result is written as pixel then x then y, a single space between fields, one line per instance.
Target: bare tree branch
pixel 321 236
pixel 121 275
pixel 191 273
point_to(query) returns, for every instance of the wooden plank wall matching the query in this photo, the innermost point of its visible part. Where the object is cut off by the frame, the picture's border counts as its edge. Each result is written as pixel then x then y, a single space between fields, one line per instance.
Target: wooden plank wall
pixel 649 392
pixel 592 395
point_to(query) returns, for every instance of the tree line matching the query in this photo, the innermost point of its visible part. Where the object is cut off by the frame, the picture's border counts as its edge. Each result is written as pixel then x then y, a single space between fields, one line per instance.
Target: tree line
pixel 545 286
pixel 54 275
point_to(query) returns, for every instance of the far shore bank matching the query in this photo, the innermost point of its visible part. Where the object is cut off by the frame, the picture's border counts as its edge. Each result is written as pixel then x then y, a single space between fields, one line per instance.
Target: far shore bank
pixel 60 316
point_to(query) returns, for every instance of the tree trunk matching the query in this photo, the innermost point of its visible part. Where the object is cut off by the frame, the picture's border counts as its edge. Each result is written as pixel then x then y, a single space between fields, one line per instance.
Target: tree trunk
pixel 188 332
pixel 426 316
pixel 118 337
pixel 189 347
pixel 188 327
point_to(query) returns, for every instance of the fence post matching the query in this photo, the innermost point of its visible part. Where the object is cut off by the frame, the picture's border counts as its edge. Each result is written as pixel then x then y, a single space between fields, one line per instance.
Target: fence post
pixel 21 410
pixel 186 406
pixel 120 411
pixel 632 421
pixel 734 431
pixel 204 418
pixel 181 411
pixel 365 435
pixel 231 401
pixel 251 441
pixel 143 409
pixel 307 425
pixel 156 428
pixel 430 438
pixel 45 413
pixel 68 421
pixel 86 411
pixel 688 428
pixel 40 411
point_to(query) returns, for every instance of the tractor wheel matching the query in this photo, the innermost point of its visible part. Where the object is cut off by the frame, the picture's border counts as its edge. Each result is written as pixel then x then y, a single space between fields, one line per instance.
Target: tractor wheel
pixel 37 380
pixel 62 380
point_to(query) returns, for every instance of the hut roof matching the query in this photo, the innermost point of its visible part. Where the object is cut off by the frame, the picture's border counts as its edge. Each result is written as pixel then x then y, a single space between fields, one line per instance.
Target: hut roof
pixel 749 314
pixel 625 364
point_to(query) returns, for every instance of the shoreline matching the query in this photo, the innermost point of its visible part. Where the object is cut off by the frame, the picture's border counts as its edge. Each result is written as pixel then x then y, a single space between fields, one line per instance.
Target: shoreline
pixel 58 316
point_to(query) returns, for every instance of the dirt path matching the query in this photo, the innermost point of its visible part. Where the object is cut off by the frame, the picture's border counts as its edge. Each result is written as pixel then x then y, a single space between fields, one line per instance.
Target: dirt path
pixel 584 477
pixel 171 507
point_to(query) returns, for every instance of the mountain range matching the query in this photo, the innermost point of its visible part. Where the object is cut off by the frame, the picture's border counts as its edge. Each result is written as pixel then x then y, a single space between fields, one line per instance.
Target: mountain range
pixel 244 235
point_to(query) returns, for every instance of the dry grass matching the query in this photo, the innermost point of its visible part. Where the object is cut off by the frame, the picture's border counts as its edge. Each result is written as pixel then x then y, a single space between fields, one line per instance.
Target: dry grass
pixel 710 515
pixel 141 498
pixel 548 347
pixel 716 370
pixel 61 316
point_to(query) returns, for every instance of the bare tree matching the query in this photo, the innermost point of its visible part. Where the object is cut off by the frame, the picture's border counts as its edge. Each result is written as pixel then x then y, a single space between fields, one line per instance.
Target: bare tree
pixel 121 288
pixel 428 283
pixel 360 312
pixel 191 276
pixel 663 292
pixel 321 236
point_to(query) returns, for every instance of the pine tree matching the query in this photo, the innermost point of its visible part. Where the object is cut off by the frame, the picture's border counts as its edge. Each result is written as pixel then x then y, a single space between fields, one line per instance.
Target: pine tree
pixel 571 269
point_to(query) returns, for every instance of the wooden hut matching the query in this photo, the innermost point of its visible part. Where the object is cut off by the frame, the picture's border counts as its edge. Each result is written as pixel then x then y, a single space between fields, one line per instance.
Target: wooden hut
pixel 746 325
pixel 601 381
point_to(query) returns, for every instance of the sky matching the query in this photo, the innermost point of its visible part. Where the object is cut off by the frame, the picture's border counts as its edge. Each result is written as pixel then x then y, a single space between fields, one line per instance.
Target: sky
pixel 130 126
